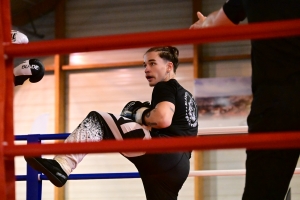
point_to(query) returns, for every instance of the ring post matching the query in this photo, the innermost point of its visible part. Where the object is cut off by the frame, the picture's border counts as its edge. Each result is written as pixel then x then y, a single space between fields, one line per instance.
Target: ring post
pixel 33 185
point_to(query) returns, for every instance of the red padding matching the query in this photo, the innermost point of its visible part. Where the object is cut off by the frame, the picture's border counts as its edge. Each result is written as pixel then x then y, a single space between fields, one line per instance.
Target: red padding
pixel 251 141
pixel 149 39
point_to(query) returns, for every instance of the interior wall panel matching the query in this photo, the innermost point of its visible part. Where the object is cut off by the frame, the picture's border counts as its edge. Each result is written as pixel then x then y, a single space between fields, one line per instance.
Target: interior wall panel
pixel 94 18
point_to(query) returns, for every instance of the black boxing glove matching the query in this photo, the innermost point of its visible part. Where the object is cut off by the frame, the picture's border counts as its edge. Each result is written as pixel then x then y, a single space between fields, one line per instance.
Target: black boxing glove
pixel 32 69
pixel 135 110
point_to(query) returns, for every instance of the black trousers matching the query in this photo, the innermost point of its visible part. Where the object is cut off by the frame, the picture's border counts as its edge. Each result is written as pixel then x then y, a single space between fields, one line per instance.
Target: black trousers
pixel 269 172
pixel 162 174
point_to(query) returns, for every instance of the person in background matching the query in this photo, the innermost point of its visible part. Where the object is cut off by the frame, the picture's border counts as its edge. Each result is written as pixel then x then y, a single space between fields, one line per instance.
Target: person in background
pixel 276 91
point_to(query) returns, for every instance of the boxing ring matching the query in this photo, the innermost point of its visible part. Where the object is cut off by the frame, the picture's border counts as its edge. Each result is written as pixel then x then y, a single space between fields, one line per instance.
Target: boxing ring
pixel 34 179
pixel 175 37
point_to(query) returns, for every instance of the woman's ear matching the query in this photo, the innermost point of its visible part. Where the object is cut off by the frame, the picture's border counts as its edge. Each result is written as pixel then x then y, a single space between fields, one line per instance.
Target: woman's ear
pixel 170 67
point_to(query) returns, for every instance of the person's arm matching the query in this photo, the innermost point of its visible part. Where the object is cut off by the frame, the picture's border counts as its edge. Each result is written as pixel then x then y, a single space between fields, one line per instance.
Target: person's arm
pixel 217 18
pixel 161 116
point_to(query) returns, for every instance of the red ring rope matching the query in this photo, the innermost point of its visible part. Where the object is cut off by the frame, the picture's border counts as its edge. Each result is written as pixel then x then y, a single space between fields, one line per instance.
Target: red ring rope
pixel 251 141
pixel 125 41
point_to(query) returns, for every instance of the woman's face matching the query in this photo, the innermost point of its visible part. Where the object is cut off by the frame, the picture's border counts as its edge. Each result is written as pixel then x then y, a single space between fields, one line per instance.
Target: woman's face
pixel 156 68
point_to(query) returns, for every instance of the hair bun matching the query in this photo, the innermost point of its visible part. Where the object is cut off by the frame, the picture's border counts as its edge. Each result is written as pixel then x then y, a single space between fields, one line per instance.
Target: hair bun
pixel 174 51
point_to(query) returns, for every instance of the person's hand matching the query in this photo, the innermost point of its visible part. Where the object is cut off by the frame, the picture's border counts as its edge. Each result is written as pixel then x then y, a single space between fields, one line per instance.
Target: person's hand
pixel 200 23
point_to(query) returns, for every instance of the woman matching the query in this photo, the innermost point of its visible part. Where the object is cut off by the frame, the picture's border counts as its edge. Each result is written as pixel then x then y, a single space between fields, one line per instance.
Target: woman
pixel 173 112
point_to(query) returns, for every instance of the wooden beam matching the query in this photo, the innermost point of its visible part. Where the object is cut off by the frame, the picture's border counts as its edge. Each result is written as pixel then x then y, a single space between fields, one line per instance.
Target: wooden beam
pixel 198 73
pixel 195 62
pixel 108 65
pixel 60 102
pixel 198 61
pixel 59 76
pixel 115 65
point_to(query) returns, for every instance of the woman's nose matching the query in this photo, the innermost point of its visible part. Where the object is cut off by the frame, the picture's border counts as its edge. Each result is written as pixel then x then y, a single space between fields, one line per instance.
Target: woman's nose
pixel 146 68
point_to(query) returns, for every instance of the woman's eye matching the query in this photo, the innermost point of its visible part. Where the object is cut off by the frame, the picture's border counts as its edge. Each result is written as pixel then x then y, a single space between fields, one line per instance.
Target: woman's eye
pixel 150 64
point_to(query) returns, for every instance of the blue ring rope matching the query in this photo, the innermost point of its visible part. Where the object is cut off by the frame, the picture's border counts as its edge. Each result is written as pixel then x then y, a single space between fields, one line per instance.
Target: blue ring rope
pixel 61 136
pixel 118 175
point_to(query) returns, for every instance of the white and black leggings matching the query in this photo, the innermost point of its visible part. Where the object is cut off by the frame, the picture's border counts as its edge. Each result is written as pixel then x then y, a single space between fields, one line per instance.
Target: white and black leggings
pixel 162 174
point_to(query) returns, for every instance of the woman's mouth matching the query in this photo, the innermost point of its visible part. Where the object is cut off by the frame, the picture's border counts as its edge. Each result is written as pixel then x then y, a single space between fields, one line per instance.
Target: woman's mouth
pixel 149 78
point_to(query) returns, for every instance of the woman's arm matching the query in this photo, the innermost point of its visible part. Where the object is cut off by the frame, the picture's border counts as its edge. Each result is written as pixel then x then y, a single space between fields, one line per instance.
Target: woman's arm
pixel 161 116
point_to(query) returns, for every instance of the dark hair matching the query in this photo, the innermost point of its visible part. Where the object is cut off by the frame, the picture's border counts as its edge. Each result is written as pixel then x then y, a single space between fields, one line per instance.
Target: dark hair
pixel 167 53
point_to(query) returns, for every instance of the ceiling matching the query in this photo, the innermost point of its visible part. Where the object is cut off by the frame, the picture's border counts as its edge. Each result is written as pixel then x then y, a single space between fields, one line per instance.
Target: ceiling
pixel 25 11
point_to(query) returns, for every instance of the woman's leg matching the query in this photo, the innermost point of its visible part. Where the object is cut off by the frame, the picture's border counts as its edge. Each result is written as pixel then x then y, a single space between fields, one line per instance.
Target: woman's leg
pixel 95 127
pixel 164 175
